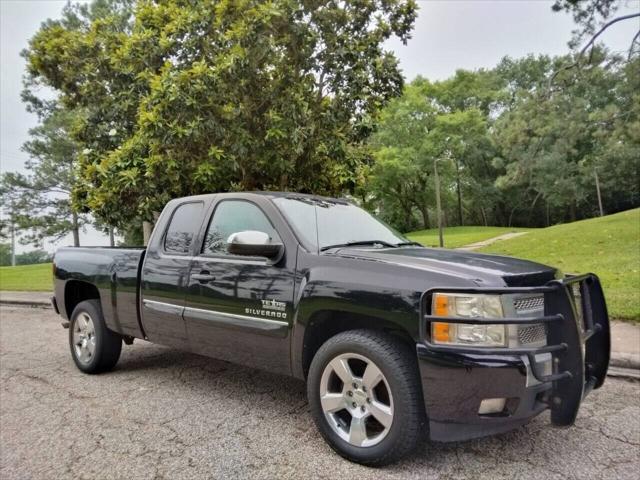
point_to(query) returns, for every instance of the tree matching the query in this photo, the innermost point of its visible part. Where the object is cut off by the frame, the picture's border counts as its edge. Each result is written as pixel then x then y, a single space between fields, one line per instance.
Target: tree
pixel 11 212
pixel 616 143
pixel 33 257
pixel 552 142
pixel 592 17
pixel 5 254
pixel 518 152
pixel 182 98
pixel 43 196
pixel 432 121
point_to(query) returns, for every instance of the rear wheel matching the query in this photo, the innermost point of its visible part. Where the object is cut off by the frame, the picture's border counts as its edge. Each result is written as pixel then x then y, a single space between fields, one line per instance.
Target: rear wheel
pixel 94 347
pixel 365 397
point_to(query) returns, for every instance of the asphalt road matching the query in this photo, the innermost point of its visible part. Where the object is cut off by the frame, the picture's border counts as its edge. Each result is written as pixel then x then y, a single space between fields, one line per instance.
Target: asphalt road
pixel 165 414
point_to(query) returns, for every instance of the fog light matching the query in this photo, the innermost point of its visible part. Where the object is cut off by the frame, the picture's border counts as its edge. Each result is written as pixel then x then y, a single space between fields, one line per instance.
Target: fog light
pixel 492 405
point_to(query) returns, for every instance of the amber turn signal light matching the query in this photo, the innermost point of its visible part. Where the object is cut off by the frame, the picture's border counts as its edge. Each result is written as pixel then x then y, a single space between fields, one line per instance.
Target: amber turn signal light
pixel 440 332
pixel 441 304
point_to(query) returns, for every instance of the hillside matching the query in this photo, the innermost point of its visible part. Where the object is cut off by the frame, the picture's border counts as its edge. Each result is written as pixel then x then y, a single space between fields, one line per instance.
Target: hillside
pixel 608 246
pixel 455 237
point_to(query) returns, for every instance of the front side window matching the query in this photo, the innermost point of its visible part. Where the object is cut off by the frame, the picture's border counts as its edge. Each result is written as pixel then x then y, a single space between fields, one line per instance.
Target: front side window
pixel 182 230
pixel 232 216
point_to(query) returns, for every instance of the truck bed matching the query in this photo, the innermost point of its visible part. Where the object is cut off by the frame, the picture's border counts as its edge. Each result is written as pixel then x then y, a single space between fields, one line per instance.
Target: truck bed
pixel 115 271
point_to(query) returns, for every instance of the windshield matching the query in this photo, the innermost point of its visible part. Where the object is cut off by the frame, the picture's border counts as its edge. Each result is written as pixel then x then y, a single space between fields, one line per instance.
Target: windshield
pixel 325 224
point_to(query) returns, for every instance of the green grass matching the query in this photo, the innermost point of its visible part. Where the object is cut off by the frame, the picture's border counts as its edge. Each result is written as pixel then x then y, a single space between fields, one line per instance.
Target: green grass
pixel 455 237
pixel 607 246
pixel 31 278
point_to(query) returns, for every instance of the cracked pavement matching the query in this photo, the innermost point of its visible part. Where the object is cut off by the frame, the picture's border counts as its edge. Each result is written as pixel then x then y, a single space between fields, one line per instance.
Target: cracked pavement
pixel 165 414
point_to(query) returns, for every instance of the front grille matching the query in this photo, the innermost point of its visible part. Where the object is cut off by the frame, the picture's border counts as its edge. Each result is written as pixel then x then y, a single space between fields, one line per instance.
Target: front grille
pixel 529 303
pixel 527 307
pixel 532 334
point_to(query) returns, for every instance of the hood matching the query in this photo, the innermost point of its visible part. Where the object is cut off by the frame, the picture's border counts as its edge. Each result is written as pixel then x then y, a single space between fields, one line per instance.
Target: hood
pixel 478 267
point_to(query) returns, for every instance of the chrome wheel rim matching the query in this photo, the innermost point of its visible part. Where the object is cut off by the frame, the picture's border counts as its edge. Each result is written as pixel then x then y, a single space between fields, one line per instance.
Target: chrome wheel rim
pixel 356 400
pixel 84 338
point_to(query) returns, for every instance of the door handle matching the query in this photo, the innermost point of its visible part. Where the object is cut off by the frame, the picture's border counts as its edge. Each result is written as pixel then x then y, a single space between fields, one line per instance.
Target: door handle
pixel 203 277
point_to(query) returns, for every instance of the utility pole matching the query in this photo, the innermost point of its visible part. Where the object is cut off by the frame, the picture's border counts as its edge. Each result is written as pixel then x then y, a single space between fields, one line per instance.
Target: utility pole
pixel 438 208
pixel 13 233
pixel 13 244
pixel 595 171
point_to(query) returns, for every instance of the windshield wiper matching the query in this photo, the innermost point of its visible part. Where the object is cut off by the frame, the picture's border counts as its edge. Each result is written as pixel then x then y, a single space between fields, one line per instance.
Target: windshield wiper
pixel 362 242
pixel 409 244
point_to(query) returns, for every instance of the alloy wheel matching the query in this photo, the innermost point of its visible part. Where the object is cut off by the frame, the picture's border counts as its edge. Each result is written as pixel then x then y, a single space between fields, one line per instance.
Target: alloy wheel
pixel 84 338
pixel 356 400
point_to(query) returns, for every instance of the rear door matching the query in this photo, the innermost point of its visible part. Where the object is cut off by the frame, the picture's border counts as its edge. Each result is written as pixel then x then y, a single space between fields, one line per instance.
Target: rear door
pixel 166 270
pixel 239 308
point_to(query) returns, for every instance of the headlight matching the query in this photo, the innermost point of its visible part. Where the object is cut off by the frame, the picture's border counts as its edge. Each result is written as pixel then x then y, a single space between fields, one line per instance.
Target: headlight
pixel 468 306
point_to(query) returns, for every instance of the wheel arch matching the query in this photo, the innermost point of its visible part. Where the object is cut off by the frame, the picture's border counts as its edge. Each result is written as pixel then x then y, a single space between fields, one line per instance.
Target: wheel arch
pixel 76 291
pixel 324 324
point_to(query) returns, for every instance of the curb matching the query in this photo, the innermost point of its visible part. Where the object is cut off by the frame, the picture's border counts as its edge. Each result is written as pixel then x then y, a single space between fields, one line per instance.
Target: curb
pixel 623 373
pixel 25 303
pixel 625 360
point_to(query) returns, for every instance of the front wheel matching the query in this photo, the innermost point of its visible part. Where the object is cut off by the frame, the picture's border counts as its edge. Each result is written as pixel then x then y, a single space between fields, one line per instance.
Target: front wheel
pixel 94 347
pixel 365 396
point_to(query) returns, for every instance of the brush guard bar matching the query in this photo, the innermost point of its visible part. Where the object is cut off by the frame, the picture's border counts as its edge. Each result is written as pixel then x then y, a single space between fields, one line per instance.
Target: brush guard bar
pixel 578 338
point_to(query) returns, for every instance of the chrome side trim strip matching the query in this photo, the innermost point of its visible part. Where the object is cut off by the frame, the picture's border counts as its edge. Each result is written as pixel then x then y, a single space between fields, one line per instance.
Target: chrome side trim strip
pixel 163 307
pixel 264 325
pixel 231 319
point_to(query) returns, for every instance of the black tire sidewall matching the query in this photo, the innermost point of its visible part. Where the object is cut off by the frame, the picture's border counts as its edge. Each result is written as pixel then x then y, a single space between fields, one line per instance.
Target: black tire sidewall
pixel 400 382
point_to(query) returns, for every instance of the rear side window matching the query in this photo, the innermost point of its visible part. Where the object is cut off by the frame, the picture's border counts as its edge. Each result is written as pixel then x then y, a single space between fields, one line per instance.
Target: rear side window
pixel 233 216
pixel 182 230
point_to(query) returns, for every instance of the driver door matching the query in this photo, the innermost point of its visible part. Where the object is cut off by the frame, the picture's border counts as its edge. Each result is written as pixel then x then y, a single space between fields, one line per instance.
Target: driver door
pixel 239 308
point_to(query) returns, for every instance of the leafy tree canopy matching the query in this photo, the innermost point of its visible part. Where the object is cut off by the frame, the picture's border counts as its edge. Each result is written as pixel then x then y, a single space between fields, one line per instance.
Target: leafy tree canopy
pixel 517 151
pixel 182 97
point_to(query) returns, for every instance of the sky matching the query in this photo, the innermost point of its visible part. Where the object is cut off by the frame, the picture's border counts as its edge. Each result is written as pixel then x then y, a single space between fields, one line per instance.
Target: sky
pixel 448 35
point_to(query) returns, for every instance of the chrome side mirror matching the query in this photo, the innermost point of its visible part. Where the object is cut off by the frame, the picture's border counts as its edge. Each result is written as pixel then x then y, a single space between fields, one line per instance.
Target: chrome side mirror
pixel 255 244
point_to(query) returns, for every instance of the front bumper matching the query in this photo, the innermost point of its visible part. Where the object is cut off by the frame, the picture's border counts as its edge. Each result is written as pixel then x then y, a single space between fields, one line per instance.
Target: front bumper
pixel 455 379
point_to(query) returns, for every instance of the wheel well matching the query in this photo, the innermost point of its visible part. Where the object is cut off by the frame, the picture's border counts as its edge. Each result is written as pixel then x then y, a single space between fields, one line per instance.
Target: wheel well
pixel 326 324
pixel 76 291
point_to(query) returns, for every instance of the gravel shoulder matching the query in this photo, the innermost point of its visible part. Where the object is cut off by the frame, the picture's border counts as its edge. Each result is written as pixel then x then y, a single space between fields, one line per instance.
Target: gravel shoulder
pixel 165 414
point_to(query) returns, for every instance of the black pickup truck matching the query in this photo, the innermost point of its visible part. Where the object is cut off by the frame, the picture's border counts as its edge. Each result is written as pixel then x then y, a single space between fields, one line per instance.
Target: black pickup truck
pixel 395 341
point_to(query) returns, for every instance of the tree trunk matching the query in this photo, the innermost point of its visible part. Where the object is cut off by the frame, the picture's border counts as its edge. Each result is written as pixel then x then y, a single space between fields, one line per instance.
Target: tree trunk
pixel 75 229
pixel 572 211
pixel 484 216
pixel 460 220
pixel 513 210
pixel 112 240
pixel 438 206
pixel 595 171
pixel 548 215
pixel 146 232
pixel 425 216
pixel 284 181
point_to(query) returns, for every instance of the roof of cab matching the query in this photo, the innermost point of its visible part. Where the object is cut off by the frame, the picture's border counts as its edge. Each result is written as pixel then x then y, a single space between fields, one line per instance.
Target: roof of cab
pixel 271 195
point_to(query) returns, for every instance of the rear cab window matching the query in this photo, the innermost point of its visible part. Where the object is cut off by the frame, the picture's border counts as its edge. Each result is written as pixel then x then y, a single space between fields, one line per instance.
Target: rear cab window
pixel 183 227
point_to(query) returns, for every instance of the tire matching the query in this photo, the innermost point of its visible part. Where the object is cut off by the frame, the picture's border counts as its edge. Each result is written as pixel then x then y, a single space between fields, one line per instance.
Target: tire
pixel 94 348
pixel 386 403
